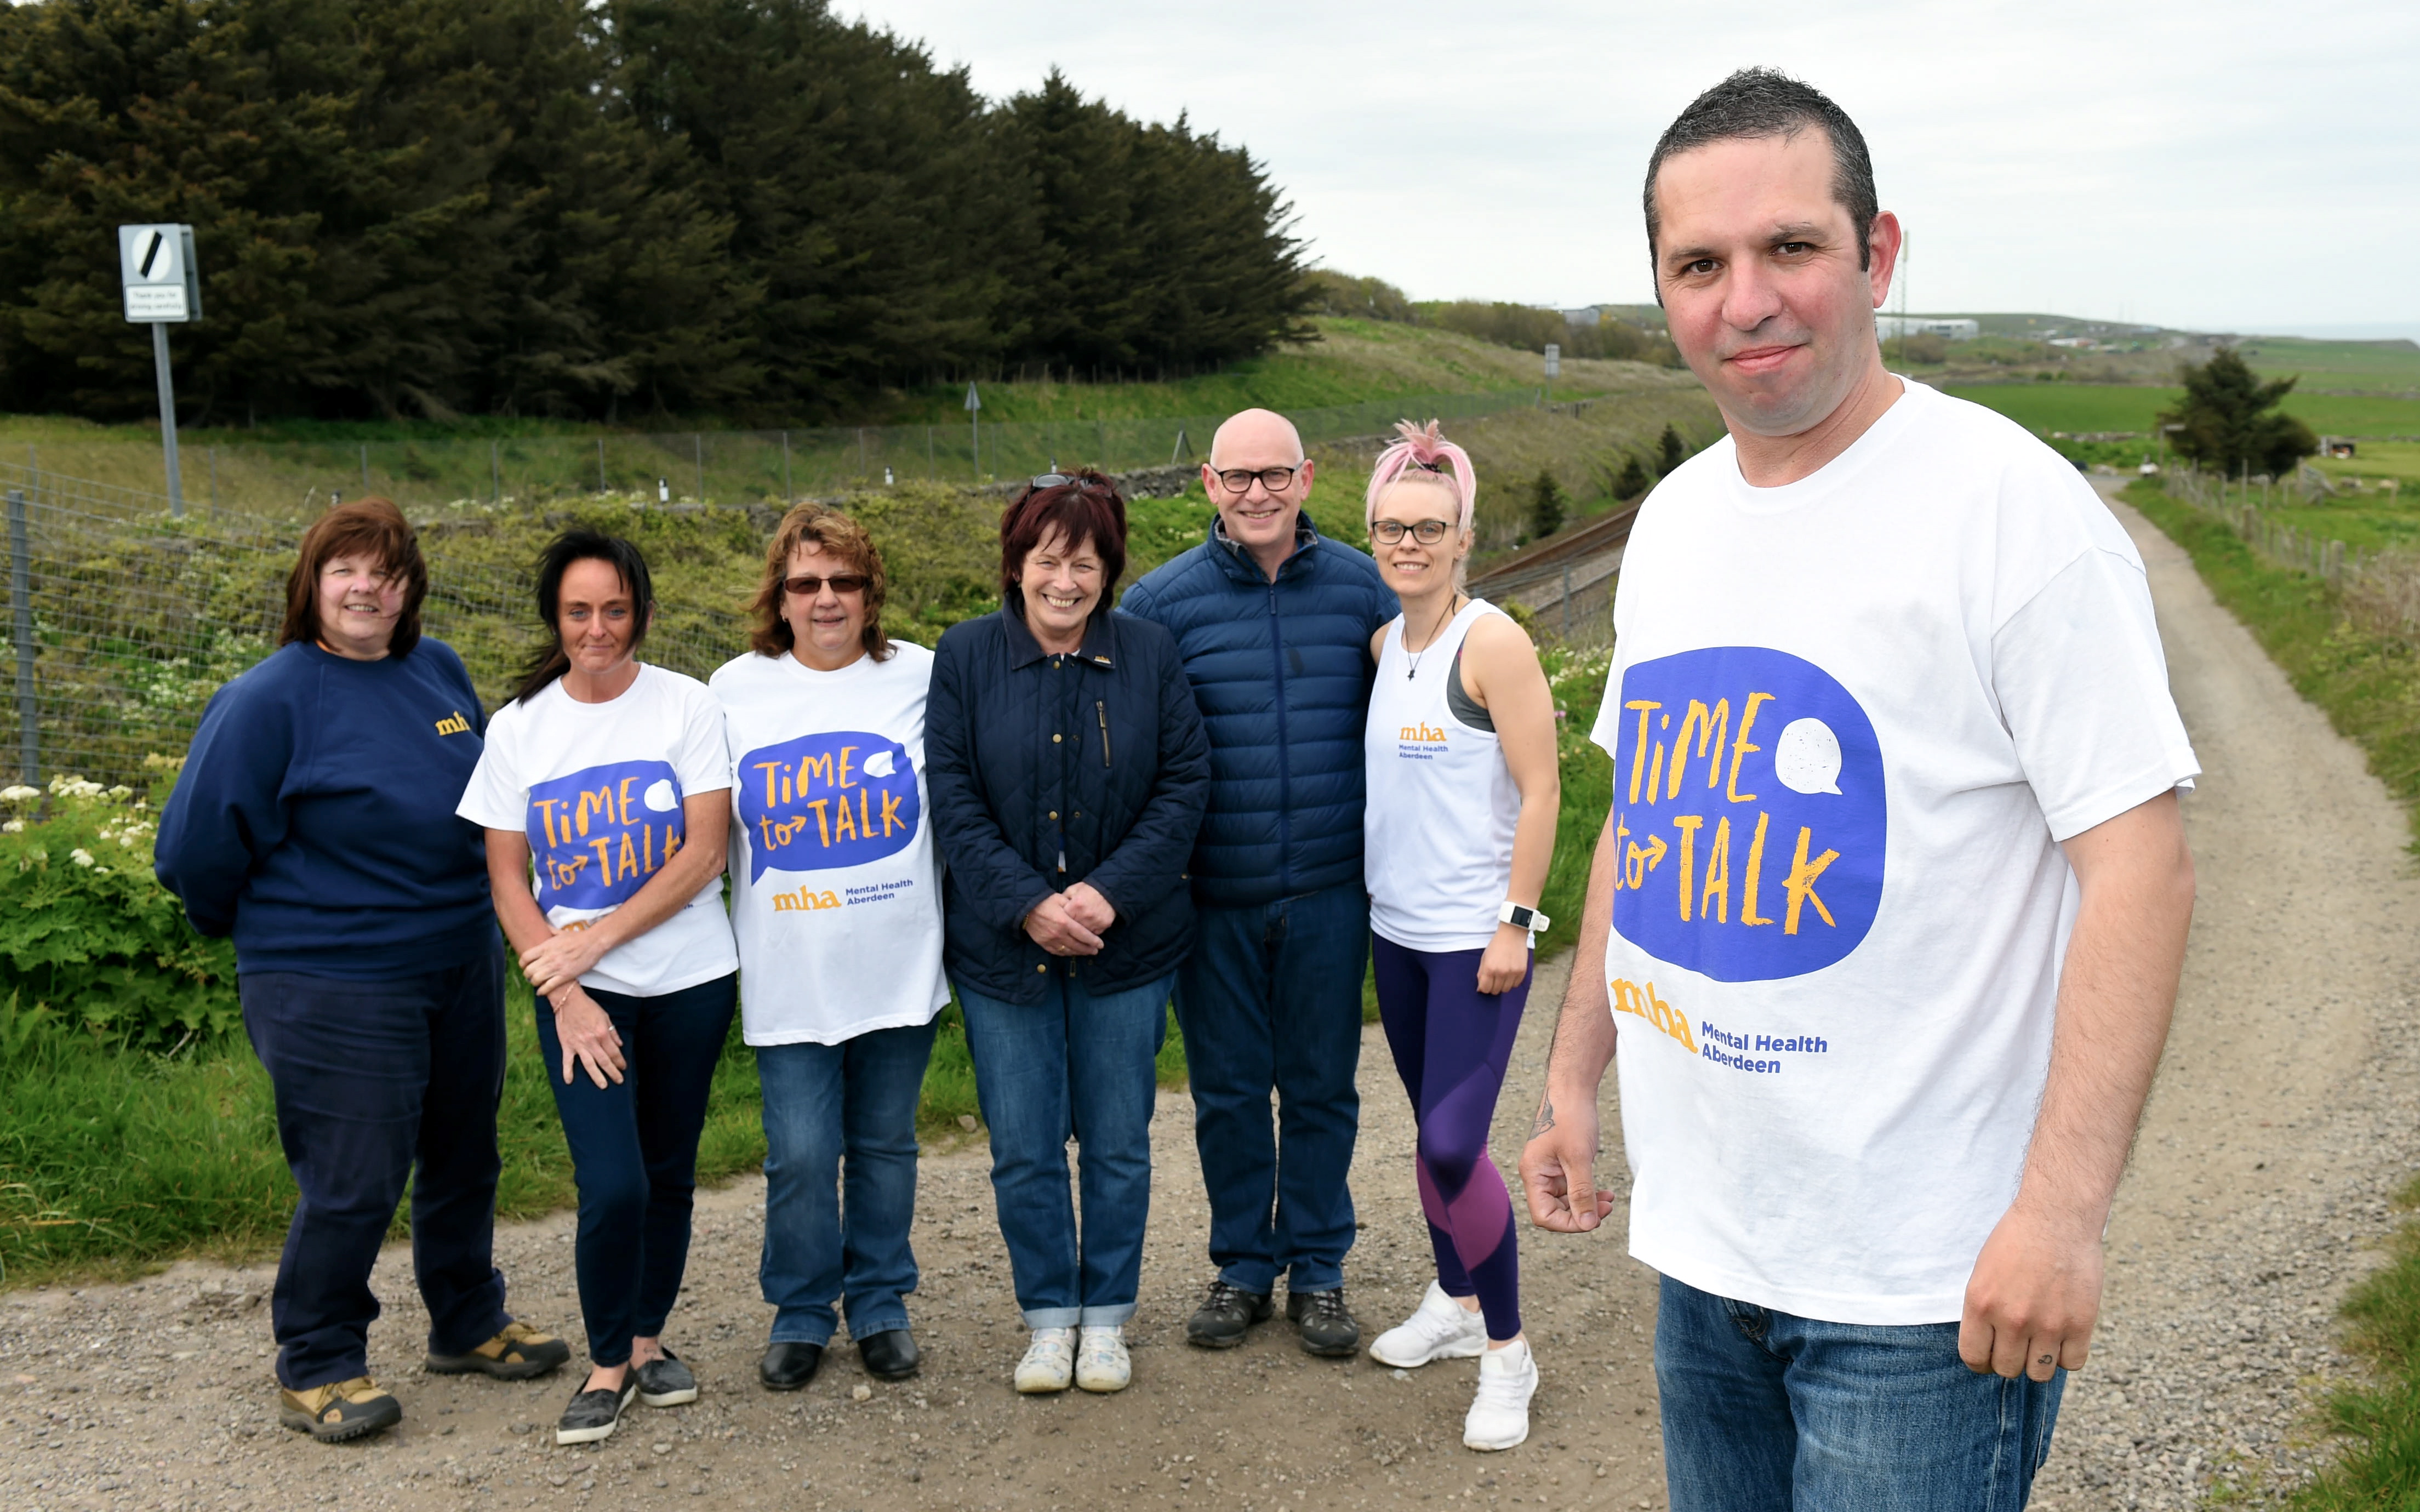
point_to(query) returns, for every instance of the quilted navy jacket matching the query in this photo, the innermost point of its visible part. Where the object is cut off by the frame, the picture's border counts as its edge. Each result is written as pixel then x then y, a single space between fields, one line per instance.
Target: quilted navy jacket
pixel 1281 674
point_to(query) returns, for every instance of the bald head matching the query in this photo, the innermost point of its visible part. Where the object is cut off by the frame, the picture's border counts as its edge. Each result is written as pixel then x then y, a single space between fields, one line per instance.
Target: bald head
pixel 1256 438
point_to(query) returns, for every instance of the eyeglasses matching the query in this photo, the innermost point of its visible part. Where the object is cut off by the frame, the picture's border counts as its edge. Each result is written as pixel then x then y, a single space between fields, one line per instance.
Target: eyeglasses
pixel 806 585
pixel 1387 532
pixel 1237 479
pixel 1060 480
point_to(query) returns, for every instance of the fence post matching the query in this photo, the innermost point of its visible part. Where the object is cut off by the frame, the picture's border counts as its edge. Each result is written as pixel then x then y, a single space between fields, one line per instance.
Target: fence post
pixel 600 466
pixel 365 466
pixel 788 496
pixel 21 602
pixel 697 438
pixel 214 481
pixel 496 467
pixel 1567 604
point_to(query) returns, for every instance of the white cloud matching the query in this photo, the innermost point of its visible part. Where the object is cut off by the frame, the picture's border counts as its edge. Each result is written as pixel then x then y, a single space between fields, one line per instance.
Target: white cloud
pixel 2220 165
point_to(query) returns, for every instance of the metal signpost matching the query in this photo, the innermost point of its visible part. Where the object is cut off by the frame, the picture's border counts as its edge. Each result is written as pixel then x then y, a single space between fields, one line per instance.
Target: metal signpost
pixel 974 422
pixel 162 288
pixel 1554 368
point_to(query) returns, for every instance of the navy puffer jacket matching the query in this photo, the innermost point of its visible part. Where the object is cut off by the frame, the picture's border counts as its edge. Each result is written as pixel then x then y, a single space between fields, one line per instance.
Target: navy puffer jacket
pixel 1281 674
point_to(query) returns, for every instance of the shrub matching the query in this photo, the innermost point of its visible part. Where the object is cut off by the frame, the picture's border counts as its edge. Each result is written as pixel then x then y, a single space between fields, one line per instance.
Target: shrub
pixel 88 935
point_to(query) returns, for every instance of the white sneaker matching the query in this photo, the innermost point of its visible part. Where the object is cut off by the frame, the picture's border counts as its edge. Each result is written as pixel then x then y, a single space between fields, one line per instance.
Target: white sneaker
pixel 1499 1414
pixel 1049 1362
pixel 1442 1329
pixel 1102 1364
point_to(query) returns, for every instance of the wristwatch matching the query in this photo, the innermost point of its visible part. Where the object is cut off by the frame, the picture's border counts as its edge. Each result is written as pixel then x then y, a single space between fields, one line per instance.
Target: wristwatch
pixel 1521 918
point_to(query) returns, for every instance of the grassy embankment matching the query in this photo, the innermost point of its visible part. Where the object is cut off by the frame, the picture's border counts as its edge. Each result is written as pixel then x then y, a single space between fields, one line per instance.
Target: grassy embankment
pixel 2369 688
pixel 113 1161
pixel 2374 419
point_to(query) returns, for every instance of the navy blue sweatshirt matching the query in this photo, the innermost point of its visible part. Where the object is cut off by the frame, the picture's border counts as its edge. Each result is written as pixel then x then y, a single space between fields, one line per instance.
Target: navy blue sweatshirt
pixel 315 817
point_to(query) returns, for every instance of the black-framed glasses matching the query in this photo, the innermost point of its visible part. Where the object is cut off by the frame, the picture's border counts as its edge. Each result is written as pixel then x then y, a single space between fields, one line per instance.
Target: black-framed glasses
pixel 807 584
pixel 1237 479
pixel 1427 532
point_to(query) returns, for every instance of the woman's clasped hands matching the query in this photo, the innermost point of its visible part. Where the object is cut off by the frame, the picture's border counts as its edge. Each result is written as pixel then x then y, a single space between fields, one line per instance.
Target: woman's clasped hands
pixel 1071 923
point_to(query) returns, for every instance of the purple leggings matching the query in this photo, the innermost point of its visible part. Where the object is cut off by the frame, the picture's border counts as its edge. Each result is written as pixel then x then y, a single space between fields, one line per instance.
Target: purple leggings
pixel 1451 1043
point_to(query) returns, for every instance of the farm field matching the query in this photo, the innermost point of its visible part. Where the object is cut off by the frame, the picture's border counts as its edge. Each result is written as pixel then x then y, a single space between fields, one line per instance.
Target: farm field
pixel 2045 407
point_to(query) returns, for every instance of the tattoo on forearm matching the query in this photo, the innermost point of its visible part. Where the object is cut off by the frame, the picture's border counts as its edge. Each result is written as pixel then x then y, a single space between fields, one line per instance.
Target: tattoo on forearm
pixel 1545 1118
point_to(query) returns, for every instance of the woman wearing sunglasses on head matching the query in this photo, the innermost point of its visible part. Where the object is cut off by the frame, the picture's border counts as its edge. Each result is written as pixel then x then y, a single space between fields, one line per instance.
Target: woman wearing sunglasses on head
pixel 601 790
pixel 835 898
pixel 1069 775
pixel 1460 828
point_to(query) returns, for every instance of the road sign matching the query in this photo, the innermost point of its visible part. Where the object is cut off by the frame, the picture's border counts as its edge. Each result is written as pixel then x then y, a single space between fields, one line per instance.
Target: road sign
pixel 974 400
pixel 156 269
pixel 1553 360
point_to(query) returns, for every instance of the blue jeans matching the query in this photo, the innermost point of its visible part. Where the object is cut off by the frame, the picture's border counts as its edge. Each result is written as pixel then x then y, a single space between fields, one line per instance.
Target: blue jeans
pixel 634 1154
pixel 840 1182
pixel 377 1083
pixel 1072 1066
pixel 1271 999
pixel 1764 1412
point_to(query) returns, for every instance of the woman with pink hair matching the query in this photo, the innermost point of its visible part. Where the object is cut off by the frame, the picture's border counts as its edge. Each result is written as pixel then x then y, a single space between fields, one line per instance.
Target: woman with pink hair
pixel 1459 829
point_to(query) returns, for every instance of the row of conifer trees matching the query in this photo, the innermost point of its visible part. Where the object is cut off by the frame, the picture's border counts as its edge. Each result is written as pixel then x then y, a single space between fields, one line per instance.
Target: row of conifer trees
pixel 595 208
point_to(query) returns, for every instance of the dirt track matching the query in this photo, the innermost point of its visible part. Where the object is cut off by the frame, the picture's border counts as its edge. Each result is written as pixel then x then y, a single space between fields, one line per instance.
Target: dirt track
pixel 2283 1118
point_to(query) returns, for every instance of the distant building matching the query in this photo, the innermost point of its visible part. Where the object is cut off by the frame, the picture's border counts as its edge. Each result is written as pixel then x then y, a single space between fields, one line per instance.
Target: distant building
pixel 2340 446
pixel 1889 326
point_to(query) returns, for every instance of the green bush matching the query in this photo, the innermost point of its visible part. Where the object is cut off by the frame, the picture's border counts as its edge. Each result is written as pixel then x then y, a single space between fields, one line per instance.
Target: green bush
pixel 88 936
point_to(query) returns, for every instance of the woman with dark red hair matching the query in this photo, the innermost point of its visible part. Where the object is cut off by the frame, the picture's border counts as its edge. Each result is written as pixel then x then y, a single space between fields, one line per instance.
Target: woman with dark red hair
pixel 1068 772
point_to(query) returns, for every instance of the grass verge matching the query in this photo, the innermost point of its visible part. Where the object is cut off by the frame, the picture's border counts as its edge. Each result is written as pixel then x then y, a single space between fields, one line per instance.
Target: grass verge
pixel 2369 689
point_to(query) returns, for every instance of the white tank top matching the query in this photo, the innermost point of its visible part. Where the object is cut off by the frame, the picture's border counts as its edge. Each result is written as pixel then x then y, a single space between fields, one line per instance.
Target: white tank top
pixel 1438 834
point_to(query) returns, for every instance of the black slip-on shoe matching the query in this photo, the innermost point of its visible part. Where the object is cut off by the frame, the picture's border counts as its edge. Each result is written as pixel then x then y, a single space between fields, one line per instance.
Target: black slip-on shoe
pixel 889 1355
pixel 1328 1327
pixel 519 1352
pixel 1225 1312
pixel 340 1410
pixel 594 1416
pixel 666 1383
pixel 788 1365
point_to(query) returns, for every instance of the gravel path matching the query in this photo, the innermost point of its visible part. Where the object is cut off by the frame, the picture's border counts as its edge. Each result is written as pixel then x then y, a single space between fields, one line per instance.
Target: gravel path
pixel 2282 1121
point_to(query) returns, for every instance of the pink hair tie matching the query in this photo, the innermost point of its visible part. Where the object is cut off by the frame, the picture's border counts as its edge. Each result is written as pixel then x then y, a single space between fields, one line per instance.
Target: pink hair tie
pixel 1424 448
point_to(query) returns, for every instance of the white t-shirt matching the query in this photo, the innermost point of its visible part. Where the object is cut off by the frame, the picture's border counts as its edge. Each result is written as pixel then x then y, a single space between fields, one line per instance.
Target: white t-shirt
pixel 835 893
pixel 599 790
pixel 1850 719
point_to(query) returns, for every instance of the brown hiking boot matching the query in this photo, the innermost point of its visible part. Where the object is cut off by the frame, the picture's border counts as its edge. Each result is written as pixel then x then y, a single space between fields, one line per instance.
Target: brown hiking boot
pixel 340 1410
pixel 519 1353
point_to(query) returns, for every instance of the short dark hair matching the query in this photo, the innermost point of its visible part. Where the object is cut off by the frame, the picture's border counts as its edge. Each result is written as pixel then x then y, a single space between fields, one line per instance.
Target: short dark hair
pixel 1756 102
pixel 836 533
pixel 581 545
pixel 365 527
pixel 1087 509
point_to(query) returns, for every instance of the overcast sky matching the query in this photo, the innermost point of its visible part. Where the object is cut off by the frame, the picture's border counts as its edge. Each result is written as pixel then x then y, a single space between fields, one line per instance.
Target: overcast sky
pixel 2216 165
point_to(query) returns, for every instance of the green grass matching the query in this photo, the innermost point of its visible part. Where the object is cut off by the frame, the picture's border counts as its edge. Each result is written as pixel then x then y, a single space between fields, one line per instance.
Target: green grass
pixel 2391 366
pixel 2046 407
pixel 2370 690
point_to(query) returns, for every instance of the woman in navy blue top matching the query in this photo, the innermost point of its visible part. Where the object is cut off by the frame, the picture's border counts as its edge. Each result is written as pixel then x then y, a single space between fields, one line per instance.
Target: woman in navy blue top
pixel 315 823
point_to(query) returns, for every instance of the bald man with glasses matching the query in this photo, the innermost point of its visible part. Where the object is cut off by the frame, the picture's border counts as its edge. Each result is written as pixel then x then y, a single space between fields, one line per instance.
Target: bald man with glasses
pixel 1274 621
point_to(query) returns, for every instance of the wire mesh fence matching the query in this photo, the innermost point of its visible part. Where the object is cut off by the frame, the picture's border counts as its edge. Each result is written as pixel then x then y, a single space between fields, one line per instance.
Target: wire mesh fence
pixel 702 466
pixel 124 620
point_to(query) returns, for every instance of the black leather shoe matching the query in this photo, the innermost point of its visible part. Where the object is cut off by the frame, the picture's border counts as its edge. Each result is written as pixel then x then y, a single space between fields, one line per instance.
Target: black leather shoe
pixel 889 1355
pixel 1224 1315
pixel 788 1366
pixel 1328 1327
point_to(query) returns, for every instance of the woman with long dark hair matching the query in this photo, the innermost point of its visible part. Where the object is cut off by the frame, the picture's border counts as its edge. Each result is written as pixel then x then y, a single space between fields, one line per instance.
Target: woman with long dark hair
pixel 604 790
pixel 315 823
pixel 1069 775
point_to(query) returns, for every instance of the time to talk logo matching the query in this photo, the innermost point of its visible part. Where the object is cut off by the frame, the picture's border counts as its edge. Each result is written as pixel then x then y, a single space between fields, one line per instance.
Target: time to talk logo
pixel 600 833
pixel 1749 815
pixel 841 798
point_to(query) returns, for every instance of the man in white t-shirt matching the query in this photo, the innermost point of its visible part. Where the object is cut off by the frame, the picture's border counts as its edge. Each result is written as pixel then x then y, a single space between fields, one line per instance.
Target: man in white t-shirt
pixel 1889 911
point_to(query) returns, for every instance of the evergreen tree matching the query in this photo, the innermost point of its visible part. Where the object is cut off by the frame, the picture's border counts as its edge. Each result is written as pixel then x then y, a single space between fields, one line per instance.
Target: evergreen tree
pixel 1670 450
pixel 1549 506
pixel 1633 480
pixel 2229 419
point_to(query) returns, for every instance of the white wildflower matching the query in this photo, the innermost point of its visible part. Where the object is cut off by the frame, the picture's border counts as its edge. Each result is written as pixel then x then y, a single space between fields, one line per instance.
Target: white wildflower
pixel 79 856
pixel 121 792
pixel 18 794
pixel 13 827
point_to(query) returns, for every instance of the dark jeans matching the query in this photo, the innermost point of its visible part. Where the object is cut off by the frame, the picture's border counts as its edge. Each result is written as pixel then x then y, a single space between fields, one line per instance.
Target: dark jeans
pixel 1072 1066
pixel 634 1154
pixel 1766 1412
pixel 378 1083
pixel 1271 999
pixel 840 1180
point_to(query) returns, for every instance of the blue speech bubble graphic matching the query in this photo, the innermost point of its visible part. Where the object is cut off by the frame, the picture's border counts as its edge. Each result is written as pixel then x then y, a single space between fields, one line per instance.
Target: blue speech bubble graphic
pixel 1749 814
pixel 841 798
pixel 599 834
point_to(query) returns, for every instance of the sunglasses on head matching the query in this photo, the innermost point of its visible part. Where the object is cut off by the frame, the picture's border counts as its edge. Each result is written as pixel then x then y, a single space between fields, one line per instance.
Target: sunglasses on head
pixel 1060 480
pixel 807 584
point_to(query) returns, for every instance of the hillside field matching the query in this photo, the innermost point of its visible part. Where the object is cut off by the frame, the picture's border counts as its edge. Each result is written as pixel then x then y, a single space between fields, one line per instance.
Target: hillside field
pixel 2071 407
